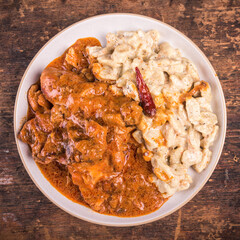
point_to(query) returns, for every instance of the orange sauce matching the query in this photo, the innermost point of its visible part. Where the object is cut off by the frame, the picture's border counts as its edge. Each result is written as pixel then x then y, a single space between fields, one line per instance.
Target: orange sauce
pixel 60 179
pixel 127 191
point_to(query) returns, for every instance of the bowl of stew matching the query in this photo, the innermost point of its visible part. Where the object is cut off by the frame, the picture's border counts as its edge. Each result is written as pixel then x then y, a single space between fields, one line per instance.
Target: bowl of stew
pixel 84 155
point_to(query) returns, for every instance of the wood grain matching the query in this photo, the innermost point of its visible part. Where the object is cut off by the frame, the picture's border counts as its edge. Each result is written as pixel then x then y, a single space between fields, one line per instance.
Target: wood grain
pixel 25 213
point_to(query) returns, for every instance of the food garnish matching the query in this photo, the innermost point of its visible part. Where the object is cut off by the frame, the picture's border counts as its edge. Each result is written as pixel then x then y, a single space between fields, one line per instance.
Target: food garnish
pixel 146 99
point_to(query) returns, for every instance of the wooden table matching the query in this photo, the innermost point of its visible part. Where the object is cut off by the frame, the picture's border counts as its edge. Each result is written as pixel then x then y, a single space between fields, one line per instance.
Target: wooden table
pixel 25 213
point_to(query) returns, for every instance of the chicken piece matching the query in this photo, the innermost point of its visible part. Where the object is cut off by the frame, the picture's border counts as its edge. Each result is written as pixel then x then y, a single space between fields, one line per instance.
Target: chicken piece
pixel 113 119
pixel 33 94
pixel 74 58
pixel 33 136
pixel 91 89
pixel 106 190
pixel 90 107
pixel 94 148
pixel 75 132
pixel 53 149
pixel 131 113
pixel 36 99
pixel 57 84
pixel 87 73
pixel 58 115
pixel 117 139
pixel 43 121
pixel 95 197
pixel 90 150
pixel 76 55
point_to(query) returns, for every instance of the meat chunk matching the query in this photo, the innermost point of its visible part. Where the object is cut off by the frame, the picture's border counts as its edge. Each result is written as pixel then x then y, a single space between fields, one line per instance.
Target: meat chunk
pixel 57 84
pixel 113 119
pixel 74 58
pixel 118 137
pixel 94 148
pixel 76 54
pixel 54 149
pixel 43 121
pixel 36 99
pixel 131 113
pixel 33 136
pixel 58 115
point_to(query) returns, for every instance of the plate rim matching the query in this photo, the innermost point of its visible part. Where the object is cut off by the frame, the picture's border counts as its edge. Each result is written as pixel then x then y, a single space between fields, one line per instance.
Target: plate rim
pixel 207 177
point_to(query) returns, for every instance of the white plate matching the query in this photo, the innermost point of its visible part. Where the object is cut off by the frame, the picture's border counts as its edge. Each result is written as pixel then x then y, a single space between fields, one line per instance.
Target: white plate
pixel 98 27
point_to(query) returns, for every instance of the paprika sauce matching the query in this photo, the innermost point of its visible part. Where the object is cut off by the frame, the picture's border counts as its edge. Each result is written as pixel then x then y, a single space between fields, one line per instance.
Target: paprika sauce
pixel 80 135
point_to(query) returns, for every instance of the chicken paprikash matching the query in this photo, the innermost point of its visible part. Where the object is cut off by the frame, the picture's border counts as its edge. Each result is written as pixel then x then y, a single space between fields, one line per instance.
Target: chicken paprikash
pixel 116 128
pixel 80 134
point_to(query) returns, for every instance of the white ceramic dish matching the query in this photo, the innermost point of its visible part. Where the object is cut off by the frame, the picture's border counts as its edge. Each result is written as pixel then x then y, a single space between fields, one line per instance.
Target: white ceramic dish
pixel 98 27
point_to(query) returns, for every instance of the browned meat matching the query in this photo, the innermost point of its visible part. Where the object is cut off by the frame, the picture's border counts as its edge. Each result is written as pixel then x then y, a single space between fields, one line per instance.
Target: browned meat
pixel 43 121
pixel 131 113
pixel 33 136
pixel 36 99
pixel 85 129
pixel 57 84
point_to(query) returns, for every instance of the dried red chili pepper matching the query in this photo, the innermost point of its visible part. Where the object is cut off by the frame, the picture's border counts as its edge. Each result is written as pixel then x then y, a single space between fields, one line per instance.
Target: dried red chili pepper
pixel 147 103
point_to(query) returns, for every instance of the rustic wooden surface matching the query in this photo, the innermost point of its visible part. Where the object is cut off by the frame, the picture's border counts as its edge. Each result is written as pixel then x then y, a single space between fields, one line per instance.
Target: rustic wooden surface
pixel 25 213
